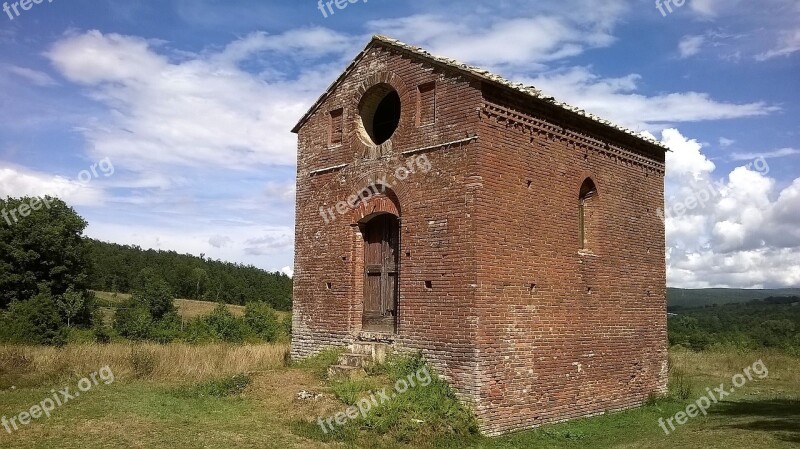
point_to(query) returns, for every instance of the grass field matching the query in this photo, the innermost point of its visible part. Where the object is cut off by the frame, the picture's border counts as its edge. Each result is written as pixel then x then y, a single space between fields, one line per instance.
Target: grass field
pixel 161 398
pixel 187 308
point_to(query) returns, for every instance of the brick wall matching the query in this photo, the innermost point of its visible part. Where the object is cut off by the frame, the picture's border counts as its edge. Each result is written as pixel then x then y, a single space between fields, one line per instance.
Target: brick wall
pixel 435 244
pixel 564 332
pixel 526 328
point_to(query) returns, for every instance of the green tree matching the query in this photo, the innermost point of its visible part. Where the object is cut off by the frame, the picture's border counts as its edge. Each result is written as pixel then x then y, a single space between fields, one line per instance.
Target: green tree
pixel 40 242
pixel 200 276
pixel 70 304
pixel 155 295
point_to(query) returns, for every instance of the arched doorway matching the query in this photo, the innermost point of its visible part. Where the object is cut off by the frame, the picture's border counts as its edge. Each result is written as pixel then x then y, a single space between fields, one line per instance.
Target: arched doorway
pixel 381 269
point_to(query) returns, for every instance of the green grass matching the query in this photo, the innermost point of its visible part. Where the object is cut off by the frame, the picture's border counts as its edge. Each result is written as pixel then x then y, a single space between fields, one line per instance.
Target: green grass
pixel 262 410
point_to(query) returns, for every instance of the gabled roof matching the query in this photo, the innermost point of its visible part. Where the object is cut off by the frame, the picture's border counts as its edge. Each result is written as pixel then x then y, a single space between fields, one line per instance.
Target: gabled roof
pixel 472 72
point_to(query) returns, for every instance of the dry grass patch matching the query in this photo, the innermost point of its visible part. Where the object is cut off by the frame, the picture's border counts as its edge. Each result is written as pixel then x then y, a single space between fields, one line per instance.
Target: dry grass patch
pixel 177 362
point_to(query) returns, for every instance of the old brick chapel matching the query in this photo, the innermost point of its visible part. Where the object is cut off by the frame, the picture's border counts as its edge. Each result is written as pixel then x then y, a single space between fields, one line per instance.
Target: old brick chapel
pixel 511 238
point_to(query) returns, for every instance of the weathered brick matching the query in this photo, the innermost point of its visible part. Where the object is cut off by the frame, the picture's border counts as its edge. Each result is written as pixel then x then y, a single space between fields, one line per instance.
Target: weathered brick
pixel 494 286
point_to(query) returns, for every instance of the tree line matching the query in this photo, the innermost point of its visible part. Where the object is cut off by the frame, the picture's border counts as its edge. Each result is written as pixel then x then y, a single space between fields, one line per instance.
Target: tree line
pixel 772 322
pixel 118 268
pixel 49 272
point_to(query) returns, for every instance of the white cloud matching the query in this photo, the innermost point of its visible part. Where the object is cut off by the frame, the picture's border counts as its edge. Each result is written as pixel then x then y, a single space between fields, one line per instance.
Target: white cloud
pixel 219 241
pixel 203 111
pixel 711 8
pixel 616 99
pixel 17 182
pixel 517 39
pixel 690 45
pixel 739 230
pixel 788 43
pixel 782 152
pixel 725 142
pixel 32 76
pixel 288 271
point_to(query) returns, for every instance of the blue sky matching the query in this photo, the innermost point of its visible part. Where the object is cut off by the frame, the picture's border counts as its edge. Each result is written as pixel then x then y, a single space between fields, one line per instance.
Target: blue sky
pixel 192 103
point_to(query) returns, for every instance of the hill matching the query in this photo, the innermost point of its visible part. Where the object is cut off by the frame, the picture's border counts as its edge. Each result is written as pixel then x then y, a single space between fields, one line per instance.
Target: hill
pixel 678 298
pixel 116 268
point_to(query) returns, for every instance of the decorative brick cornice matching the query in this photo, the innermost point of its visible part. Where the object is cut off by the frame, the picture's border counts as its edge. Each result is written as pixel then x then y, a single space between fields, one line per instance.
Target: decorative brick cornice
pixel 536 126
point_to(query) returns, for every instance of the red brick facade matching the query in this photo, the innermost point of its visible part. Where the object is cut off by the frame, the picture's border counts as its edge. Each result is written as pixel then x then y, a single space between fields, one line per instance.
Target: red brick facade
pixel 528 321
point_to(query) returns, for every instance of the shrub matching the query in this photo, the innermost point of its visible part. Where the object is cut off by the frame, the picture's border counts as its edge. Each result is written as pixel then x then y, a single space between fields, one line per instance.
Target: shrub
pixel 199 331
pixel 143 362
pixel 167 329
pixel 102 334
pixel 133 321
pixel 262 320
pixel 680 385
pixel 225 326
pixel 35 321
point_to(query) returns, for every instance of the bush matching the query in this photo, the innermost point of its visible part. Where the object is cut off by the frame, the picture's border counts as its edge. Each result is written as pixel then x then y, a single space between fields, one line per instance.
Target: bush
pixel 143 362
pixel 225 326
pixel 102 334
pixel 35 321
pixel 133 321
pixel 167 329
pixel 199 331
pixel 262 321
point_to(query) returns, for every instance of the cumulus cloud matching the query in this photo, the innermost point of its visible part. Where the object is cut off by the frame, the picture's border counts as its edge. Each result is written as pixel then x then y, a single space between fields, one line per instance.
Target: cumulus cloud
pixel 17 182
pixel 199 110
pixel 736 230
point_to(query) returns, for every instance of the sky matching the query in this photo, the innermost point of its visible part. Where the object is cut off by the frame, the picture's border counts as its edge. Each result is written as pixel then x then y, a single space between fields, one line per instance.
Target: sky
pixel 166 124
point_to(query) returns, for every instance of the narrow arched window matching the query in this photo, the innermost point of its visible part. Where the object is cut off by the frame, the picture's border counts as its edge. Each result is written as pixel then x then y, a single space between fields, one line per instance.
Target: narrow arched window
pixel 585 199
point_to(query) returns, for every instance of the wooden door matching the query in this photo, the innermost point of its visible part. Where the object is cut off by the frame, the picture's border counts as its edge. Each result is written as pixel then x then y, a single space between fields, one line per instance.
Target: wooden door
pixel 381 244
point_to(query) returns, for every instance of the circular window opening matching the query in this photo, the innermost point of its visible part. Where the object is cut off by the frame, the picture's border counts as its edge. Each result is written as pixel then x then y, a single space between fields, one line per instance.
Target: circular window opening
pixel 380 113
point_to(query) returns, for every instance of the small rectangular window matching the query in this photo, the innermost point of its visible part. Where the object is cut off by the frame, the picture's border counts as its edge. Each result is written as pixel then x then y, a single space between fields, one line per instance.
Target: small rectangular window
pixel 336 127
pixel 426 104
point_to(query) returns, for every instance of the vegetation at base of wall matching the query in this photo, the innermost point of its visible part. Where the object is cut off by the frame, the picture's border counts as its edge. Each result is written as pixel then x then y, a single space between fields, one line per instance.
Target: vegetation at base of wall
pixel 419 415
pixel 318 364
pixel 767 323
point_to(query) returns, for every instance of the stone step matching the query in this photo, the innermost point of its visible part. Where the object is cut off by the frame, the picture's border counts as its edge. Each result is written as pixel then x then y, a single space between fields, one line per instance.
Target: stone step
pixel 377 351
pixel 356 360
pixel 348 372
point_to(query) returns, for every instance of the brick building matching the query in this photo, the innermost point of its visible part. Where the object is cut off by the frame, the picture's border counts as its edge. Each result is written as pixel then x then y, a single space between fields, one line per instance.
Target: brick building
pixel 513 239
